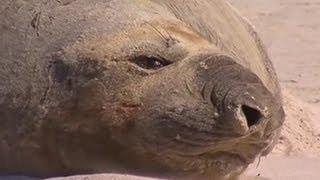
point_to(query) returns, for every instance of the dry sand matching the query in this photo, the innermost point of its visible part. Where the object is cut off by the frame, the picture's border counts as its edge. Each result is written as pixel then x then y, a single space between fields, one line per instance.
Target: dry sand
pixel 291 31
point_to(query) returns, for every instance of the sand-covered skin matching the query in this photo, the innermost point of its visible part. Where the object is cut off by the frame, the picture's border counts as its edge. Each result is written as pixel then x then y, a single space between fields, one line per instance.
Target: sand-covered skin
pixel 297 156
pixel 290 30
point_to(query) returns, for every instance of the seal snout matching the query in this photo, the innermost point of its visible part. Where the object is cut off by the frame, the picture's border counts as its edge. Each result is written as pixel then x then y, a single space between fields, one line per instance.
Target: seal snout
pixel 243 102
pixel 242 112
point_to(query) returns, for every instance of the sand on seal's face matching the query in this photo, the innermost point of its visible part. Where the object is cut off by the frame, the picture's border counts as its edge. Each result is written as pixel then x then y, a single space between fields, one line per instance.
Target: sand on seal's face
pixel 105 105
pixel 276 167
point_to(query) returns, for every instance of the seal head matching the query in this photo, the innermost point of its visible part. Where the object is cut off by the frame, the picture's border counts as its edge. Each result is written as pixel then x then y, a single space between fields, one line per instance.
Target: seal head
pixel 171 88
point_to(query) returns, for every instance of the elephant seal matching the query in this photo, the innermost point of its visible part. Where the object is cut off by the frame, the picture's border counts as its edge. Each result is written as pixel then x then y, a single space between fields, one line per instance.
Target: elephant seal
pixel 155 87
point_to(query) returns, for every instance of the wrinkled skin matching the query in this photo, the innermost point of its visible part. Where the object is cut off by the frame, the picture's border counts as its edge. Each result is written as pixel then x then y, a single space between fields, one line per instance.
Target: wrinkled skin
pixel 149 87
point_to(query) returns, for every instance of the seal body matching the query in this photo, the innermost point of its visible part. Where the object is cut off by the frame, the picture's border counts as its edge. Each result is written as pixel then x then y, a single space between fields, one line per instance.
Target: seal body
pixel 182 88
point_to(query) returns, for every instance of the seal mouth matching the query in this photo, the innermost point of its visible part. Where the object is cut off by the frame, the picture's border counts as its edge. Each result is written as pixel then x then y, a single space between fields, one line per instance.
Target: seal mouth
pixel 189 141
pixel 216 156
pixel 224 163
pixel 245 150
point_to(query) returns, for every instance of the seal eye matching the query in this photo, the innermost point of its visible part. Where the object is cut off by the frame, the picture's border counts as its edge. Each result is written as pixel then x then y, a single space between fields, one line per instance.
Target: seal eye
pixel 150 62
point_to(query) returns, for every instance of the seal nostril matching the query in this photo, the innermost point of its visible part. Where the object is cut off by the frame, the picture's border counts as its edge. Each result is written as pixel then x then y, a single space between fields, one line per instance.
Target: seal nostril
pixel 252 115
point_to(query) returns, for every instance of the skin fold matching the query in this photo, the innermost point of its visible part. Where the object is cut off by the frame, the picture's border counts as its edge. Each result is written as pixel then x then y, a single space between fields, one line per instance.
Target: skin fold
pixel 148 87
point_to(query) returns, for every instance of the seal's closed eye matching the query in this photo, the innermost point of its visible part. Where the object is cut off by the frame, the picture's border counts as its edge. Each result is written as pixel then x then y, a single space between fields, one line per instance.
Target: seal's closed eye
pixel 150 62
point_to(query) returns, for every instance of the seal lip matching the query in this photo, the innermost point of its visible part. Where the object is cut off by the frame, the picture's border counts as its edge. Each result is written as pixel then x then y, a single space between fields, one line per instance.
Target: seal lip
pixel 221 148
pixel 225 162
pixel 186 147
pixel 228 155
